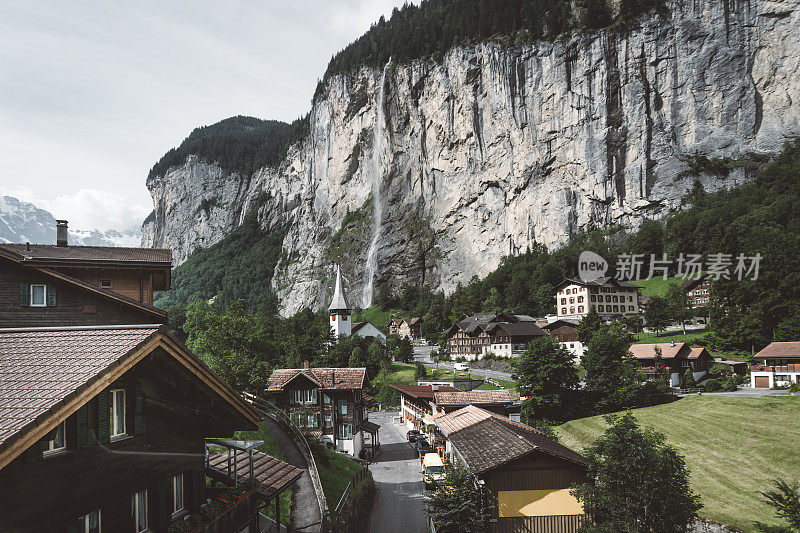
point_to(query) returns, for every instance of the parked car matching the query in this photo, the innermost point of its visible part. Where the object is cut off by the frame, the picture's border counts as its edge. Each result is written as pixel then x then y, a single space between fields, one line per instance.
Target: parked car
pixel 461 367
pixel 412 435
pixel 423 446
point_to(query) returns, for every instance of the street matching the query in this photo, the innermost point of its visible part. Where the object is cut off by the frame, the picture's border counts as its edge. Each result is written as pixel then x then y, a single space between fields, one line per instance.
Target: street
pixel 423 355
pixel 400 502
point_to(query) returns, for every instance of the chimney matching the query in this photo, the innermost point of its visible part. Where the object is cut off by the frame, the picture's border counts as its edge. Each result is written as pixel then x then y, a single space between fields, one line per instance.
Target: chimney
pixel 306 364
pixel 28 246
pixel 672 343
pixel 61 232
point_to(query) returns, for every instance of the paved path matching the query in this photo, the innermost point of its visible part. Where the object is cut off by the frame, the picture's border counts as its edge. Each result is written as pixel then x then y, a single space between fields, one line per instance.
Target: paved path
pixel 306 516
pixel 400 503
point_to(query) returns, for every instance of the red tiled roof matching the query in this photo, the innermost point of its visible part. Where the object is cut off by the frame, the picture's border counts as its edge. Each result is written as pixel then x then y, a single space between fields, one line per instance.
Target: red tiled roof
pixel 647 351
pixel 104 254
pixel 423 391
pixel 695 353
pixel 345 378
pixel 779 350
pixel 487 440
pixel 272 474
pixel 473 397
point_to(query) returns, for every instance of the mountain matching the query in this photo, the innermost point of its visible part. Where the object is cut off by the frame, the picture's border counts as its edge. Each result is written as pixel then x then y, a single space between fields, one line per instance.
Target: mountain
pixel 434 168
pixel 24 222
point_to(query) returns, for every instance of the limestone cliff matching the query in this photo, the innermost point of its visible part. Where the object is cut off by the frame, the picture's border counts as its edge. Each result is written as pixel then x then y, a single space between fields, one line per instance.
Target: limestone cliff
pixel 496 147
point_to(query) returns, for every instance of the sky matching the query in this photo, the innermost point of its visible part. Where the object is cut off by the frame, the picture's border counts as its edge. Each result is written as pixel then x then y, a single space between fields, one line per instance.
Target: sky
pixel 93 93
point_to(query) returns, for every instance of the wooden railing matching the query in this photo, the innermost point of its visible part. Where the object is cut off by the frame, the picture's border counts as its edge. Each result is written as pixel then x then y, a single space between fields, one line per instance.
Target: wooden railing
pixel 791 367
pixel 360 475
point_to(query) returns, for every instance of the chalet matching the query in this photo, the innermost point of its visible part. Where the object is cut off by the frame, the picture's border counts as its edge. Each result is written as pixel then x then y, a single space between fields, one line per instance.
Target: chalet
pixel 104 429
pixel 415 403
pixel 410 328
pixel 526 474
pixel 609 297
pixel 565 331
pixel 779 364
pixel 327 403
pixel 675 359
pixel 495 401
pixel 478 335
pixel 698 291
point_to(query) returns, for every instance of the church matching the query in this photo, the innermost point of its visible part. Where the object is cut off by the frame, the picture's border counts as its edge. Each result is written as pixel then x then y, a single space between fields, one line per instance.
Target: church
pixel 341 316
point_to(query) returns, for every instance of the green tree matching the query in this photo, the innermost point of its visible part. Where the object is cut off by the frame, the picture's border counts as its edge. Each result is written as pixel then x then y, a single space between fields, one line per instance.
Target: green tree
pixel 590 324
pixel 611 376
pixel 549 379
pixel 687 379
pixel 677 305
pixel 459 505
pixel 419 370
pixel 494 302
pixel 399 348
pixel 640 483
pixel 357 359
pixel 595 14
pixel 785 499
pixel 657 313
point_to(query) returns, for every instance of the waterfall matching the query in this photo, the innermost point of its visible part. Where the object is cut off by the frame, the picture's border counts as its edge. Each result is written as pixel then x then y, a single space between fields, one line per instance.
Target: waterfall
pixel 377 208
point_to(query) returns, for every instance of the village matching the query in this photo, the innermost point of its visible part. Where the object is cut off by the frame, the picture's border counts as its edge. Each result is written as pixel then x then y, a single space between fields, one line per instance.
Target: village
pixel 95 382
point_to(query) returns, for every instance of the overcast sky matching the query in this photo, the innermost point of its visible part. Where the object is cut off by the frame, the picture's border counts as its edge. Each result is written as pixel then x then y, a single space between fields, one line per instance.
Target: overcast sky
pixel 92 93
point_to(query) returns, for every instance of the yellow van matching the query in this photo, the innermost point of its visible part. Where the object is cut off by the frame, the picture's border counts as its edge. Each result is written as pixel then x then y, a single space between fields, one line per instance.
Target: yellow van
pixel 432 469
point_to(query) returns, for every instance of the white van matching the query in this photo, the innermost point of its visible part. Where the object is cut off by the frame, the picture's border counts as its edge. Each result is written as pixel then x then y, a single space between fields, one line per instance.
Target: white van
pixel 461 367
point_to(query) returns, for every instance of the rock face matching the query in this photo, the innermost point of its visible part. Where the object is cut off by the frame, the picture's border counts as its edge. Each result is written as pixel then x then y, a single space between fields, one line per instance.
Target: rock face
pixel 497 147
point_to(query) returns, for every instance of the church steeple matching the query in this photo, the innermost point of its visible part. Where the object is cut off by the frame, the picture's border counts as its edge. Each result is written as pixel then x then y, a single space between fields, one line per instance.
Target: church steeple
pixel 340 309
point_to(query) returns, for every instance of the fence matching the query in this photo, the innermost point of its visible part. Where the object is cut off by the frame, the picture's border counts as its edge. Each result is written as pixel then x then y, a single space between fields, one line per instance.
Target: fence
pixel 341 520
pixel 285 422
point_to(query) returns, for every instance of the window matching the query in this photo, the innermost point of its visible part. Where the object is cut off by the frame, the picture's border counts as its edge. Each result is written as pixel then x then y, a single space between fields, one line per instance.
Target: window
pixel 563 301
pixel 90 523
pixel 580 309
pixel 38 295
pixel 599 308
pixel 592 297
pixel 305 396
pixel 117 414
pixel 608 299
pixel 686 364
pixel 580 299
pixel 328 420
pixel 572 310
pixel 630 308
pixel 572 300
pixel 105 283
pixel 326 398
pixel 342 407
pixel 563 310
pixel 345 431
pixel 139 511
pixel 177 493
pixel 56 441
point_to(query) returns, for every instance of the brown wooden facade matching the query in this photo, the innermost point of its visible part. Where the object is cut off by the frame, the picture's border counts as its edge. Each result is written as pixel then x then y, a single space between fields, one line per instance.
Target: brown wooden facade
pixel 168 414
pixel 66 303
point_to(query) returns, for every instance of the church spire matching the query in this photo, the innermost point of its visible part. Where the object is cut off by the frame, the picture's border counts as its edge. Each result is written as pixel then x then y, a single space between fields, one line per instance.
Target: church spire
pixel 339 302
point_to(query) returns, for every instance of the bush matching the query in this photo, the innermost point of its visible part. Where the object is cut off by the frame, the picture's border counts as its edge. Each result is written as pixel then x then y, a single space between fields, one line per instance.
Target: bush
pixel 712 385
pixel 687 380
pixel 730 385
pixel 419 370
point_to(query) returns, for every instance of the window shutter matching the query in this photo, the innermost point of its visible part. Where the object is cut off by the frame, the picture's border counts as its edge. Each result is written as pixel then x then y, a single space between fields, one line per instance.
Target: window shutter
pixel 76 526
pixel 24 295
pixel 291 397
pixel 198 488
pixel 314 396
pixel 34 453
pixel 138 414
pixel 82 422
pixel 163 504
pixel 51 295
pixel 103 421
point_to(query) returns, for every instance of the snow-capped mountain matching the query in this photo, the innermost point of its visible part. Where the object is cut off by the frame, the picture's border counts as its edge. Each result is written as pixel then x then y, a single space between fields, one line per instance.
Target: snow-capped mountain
pixel 24 222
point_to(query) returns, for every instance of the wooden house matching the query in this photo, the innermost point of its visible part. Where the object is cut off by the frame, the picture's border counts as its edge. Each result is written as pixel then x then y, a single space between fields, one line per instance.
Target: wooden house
pixel 778 365
pixel 103 429
pixel 676 358
pixel 565 331
pixel 495 401
pixel 502 334
pixel 415 403
pixel 526 474
pixel 326 402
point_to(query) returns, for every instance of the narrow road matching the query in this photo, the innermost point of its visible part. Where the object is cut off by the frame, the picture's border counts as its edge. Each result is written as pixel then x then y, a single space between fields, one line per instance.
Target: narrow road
pixel 306 515
pixel 423 355
pixel 400 503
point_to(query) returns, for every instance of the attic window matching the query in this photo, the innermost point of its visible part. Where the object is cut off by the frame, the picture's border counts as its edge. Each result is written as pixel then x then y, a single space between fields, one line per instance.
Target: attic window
pixel 55 441
pixel 105 283
pixel 38 295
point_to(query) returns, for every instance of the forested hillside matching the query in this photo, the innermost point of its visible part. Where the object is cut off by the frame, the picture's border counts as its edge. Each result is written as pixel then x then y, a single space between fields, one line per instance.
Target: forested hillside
pixel 237 144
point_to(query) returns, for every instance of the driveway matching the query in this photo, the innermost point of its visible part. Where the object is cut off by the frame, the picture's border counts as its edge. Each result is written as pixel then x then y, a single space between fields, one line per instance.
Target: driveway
pixel 400 503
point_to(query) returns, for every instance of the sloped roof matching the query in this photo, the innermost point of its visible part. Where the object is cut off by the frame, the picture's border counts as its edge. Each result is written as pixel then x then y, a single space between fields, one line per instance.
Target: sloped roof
pixel 45 372
pixel 779 350
pixel 473 397
pixel 487 440
pixel 358 325
pixel 95 254
pixel 560 322
pixel 668 350
pixel 695 353
pixel 599 282
pixel 519 329
pixel 339 302
pixel 273 475
pixel 423 391
pixel 413 320
pixel 327 378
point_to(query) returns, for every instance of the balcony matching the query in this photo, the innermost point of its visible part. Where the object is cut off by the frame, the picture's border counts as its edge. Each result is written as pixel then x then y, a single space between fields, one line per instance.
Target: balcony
pixel 787 368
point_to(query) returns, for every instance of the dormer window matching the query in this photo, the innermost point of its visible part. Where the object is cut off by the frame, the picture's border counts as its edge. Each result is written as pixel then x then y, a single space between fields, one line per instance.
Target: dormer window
pixel 117 413
pixel 56 441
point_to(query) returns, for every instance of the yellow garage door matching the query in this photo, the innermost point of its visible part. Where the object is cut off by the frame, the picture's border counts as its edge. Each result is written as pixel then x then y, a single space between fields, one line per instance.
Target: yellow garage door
pixel 538 503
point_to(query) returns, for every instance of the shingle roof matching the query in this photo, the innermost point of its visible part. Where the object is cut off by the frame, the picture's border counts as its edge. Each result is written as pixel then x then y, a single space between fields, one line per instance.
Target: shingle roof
pixel 695 353
pixel 521 329
pixel 272 474
pixel 111 254
pixel 473 397
pixel 599 282
pixel 668 350
pixel 487 440
pixel 423 391
pixel 328 378
pixel 38 369
pixel 779 350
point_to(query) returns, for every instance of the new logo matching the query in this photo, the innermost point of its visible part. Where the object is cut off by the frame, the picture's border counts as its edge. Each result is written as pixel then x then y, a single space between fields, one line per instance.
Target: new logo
pixel 591 266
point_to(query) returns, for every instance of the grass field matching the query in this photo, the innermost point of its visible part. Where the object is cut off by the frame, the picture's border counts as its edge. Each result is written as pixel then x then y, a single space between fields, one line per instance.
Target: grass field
pixel 335 472
pixel 733 447
pixel 666 336
pixel 656 286
pixel 378 317
pixel 270 447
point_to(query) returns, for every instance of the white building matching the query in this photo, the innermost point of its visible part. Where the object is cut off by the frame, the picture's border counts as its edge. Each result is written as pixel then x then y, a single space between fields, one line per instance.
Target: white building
pixel 340 310
pixel 609 297
pixel 778 365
